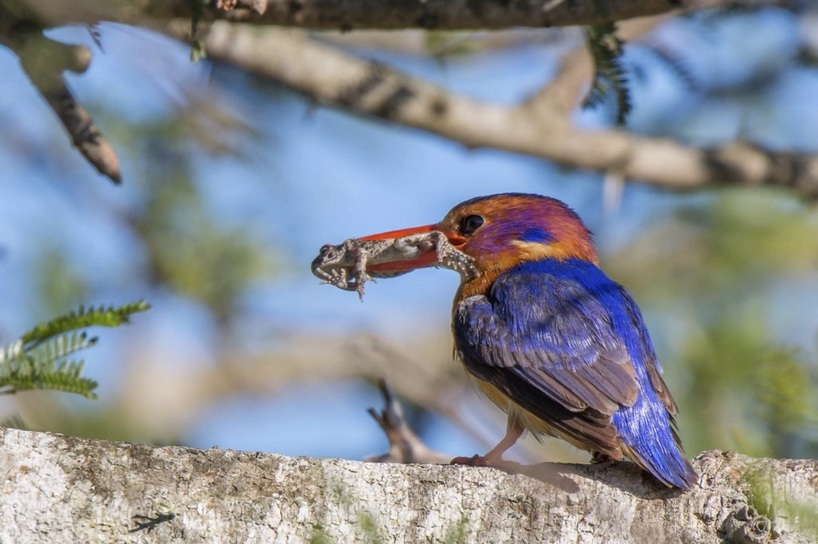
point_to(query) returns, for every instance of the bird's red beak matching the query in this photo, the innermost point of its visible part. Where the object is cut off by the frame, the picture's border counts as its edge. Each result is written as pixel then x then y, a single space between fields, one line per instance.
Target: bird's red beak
pixel 428 258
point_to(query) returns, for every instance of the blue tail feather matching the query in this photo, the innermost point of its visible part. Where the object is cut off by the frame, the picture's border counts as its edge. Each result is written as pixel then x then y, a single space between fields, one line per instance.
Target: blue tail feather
pixel 645 429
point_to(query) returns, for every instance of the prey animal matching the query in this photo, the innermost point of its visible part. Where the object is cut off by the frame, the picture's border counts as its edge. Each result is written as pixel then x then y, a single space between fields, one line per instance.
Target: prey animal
pixel 542 330
pixel 348 265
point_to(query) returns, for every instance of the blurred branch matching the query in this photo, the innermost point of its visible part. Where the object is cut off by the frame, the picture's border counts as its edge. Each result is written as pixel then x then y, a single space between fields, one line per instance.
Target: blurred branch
pixel 44 60
pixel 180 393
pixel 443 14
pixel 533 128
pixel 404 445
pixel 349 15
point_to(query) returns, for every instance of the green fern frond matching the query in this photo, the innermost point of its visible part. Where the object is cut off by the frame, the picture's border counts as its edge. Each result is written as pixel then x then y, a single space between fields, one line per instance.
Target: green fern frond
pixel 67 377
pixel 59 347
pixel 24 374
pixel 610 76
pixel 82 318
pixel 38 360
pixel 11 352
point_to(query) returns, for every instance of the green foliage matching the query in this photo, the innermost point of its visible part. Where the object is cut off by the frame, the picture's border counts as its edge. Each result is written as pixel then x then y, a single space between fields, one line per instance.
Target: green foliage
pixel 202 259
pixel 82 318
pixel 183 246
pixel 610 76
pixel 58 284
pixel 762 392
pixel 189 249
pixel 197 51
pixel 39 358
pixel 784 387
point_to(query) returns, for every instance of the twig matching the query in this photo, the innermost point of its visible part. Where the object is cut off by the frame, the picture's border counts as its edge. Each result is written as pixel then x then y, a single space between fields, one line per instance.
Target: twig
pixel 44 60
pixel 404 445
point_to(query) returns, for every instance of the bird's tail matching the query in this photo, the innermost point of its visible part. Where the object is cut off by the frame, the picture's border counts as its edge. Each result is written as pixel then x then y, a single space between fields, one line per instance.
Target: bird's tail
pixel 648 438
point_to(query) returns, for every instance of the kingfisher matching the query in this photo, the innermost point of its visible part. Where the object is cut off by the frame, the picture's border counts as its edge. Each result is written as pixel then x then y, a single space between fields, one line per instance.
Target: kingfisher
pixel 550 338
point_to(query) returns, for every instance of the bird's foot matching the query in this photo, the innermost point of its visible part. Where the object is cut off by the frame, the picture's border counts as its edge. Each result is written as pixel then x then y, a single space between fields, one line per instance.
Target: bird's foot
pixel 473 461
pixel 487 461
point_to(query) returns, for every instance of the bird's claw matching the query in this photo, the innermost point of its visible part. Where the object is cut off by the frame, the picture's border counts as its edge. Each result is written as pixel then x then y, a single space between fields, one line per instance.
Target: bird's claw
pixel 473 461
pixel 487 461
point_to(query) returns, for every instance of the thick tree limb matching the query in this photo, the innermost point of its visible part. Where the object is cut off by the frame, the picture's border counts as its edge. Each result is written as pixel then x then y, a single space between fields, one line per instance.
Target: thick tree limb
pixel 62 489
pixel 535 127
pixel 442 14
pixel 372 14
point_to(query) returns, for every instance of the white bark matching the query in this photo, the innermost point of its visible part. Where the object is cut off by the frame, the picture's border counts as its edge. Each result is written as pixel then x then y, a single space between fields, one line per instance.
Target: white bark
pixel 63 489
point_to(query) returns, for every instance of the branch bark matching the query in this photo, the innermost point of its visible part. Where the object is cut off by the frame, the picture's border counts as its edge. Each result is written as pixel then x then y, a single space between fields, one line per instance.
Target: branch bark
pixel 62 489
pixel 44 61
pixel 446 14
pixel 538 127
pixel 374 14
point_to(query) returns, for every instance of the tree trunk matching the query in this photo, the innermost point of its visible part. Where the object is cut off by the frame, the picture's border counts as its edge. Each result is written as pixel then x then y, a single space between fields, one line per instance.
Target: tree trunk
pixel 62 489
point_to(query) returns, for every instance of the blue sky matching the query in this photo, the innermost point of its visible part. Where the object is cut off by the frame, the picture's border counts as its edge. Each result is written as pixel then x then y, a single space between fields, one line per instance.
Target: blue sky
pixel 316 175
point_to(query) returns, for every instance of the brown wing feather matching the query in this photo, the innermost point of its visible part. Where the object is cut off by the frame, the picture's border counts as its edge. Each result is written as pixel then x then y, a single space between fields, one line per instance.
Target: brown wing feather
pixel 567 370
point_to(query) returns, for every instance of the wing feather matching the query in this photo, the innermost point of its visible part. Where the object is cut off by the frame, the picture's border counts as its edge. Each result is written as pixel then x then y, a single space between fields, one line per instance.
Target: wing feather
pixel 549 344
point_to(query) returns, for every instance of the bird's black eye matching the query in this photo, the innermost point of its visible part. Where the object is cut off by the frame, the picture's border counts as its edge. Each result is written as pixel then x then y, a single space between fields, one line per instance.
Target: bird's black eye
pixel 470 223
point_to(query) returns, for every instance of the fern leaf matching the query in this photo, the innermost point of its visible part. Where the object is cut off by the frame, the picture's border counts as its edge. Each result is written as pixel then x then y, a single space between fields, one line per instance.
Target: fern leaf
pixel 67 377
pixel 25 374
pixel 82 318
pixel 38 360
pixel 11 352
pixel 58 347
pixel 610 76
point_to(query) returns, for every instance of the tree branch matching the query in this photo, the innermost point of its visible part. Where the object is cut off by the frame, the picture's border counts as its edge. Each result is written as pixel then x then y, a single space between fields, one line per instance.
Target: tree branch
pixel 426 377
pixel 372 14
pixel 404 445
pixel 63 489
pixel 444 14
pixel 44 61
pixel 540 128
pixel 535 127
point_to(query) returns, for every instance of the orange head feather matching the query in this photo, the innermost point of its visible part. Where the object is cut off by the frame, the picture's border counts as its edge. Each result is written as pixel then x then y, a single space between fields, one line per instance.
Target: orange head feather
pixel 504 230
pixel 501 231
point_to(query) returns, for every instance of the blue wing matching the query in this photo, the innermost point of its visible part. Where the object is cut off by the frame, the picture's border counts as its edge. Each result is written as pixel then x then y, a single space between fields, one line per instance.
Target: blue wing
pixel 568 344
